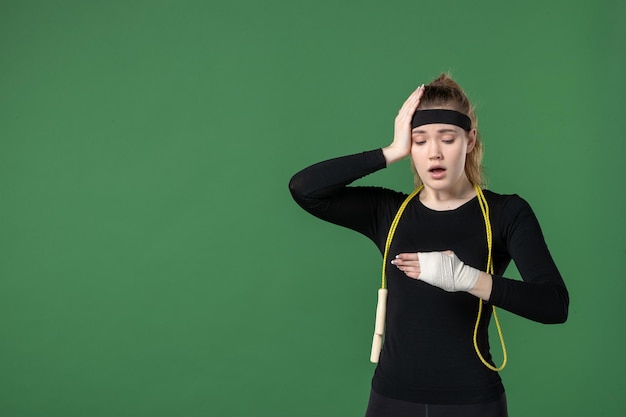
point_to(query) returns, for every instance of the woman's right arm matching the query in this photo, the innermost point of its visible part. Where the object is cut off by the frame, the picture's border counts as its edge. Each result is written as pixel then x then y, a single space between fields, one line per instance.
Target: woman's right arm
pixel 321 189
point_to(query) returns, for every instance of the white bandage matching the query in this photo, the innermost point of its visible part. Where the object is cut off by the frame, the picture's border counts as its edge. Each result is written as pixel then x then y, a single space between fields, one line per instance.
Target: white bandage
pixel 446 271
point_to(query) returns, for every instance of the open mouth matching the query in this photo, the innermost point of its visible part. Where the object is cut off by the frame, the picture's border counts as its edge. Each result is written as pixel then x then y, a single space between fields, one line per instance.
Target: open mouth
pixel 437 172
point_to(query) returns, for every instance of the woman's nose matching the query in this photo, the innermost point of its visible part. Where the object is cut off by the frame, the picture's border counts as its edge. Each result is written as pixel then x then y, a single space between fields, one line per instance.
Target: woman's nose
pixel 435 152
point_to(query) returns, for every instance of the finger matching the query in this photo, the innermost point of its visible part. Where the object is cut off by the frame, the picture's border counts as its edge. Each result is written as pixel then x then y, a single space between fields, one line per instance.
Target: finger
pixel 408 108
pixel 419 91
pixel 408 256
pixel 411 272
pixel 414 275
pixel 412 101
pixel 418 94
pixel 407 266
pixel 403 262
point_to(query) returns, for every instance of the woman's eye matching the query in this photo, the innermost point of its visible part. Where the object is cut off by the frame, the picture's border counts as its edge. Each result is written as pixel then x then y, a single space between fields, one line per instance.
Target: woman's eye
pixel 419 142
pixel 448 140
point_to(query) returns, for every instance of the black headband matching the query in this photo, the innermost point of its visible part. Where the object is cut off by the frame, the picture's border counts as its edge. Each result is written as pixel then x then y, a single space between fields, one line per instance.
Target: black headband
pixel 451 117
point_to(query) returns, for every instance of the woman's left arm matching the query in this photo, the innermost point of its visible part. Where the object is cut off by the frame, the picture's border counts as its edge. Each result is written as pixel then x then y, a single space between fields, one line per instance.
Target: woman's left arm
pixel 482 288
pixel 542 295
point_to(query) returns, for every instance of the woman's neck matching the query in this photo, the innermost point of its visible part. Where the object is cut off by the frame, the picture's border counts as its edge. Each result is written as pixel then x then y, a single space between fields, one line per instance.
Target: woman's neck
pixel 448 198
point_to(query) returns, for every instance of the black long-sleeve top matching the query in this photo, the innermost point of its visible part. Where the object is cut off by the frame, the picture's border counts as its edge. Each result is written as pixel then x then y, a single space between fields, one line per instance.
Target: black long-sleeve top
pixel 428 354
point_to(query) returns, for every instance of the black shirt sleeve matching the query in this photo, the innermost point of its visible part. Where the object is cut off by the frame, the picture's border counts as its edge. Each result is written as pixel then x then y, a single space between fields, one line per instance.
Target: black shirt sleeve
pixel 322 190
pixel 542 295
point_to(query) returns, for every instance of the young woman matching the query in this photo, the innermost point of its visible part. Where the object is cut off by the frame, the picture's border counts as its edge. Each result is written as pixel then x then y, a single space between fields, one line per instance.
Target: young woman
pixel 445 255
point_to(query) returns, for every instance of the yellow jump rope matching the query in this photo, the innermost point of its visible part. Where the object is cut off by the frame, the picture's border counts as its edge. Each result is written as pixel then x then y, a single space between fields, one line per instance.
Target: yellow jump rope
pixel 379 329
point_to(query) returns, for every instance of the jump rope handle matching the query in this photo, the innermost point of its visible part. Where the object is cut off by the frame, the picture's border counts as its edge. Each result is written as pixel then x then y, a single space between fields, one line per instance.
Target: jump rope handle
pixel 379 328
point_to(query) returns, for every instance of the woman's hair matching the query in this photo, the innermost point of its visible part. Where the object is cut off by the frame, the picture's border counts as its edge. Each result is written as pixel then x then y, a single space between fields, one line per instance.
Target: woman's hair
pixel 445 93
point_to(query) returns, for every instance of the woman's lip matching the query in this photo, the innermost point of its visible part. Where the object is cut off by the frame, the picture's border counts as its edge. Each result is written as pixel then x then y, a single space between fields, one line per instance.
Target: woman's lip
pixel 437 172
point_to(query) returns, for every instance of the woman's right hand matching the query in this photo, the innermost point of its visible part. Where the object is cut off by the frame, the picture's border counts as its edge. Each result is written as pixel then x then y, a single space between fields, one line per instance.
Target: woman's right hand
pixel 401 145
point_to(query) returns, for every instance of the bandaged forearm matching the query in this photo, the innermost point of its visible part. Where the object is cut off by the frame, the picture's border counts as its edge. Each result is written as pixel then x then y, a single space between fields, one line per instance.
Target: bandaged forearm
pixel 446 271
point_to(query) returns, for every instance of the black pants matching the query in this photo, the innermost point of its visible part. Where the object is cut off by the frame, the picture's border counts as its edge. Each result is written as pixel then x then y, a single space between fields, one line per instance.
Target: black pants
pixel 380 406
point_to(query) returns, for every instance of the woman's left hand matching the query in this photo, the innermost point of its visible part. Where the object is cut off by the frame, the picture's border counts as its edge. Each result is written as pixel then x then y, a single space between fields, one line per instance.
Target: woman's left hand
pixel 441 269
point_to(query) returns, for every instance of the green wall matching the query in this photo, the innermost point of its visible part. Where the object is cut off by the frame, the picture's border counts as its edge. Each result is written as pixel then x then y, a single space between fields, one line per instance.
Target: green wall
pixel 152 262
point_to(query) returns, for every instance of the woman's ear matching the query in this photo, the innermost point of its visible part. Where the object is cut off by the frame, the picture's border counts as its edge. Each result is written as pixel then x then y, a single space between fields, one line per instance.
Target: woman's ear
pixel 471 140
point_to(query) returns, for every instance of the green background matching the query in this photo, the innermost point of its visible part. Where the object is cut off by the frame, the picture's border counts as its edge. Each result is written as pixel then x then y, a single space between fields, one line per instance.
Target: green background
pixel 152 262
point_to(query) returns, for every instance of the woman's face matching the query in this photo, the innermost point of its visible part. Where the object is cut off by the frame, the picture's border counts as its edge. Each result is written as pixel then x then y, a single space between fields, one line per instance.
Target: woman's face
pixel 438 153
